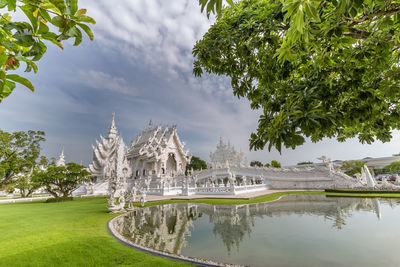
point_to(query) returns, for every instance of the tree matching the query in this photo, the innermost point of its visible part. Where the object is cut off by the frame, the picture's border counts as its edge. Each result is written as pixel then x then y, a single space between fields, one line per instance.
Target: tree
pixel 315 68
pixel 273 164
pixel 214 6
pixel 61 181
pixel 19 152
pixel 22 41
pixel 26 185
pixel 23 180
pixel 351 167
pixel 305 163
pixel 394 167
pixel 196 164
pixel 256 163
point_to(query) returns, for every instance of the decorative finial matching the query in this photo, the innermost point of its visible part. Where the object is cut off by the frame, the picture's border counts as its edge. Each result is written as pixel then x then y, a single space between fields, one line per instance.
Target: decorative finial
pixel 150 124
pixel 61 159
pixel 112 133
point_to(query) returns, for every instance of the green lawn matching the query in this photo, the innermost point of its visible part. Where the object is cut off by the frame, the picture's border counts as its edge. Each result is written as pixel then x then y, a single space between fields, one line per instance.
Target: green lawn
pixel 74 233
pixel 65 234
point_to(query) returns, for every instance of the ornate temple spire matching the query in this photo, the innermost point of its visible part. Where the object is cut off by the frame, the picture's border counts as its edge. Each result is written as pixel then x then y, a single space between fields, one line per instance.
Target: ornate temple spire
pixel 112 133
pixel 61 159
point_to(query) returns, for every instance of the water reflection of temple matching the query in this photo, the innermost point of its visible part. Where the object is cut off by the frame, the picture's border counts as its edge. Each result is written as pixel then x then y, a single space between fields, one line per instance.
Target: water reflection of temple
pixel 166 227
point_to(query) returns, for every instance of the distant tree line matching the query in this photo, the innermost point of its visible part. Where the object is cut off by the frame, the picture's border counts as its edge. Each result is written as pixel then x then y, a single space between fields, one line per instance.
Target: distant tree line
pixel 23 168
pixel 196 164
pixel 272 164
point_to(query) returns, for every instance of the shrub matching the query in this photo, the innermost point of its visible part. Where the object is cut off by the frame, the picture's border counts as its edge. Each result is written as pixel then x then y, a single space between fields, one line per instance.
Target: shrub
pixel 351 167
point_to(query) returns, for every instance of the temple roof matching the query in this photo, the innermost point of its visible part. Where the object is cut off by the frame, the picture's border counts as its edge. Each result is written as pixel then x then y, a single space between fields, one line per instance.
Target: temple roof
pixel 227 154
pixel 152 142
pixel 61 159
pixel 105 150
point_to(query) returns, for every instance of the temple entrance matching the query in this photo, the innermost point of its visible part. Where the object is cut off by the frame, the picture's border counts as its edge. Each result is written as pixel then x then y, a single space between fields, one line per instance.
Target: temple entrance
pixel 171 165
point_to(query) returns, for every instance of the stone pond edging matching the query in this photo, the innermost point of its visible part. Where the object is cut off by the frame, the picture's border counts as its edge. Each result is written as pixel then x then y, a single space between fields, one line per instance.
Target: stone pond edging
pixel 191 260
pixel 195 261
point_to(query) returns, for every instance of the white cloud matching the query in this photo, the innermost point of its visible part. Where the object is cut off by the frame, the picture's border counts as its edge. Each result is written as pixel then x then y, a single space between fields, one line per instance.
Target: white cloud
pixel 105 81
pixel 157 33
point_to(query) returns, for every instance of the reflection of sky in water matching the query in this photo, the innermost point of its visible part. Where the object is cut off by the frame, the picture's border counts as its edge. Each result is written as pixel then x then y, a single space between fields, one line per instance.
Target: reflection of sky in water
pixel 296 231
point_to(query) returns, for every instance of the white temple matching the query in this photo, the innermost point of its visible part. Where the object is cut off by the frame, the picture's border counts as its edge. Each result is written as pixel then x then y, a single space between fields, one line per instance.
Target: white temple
pixel 156 159
pixel 61 159
pixel 155 163
pixel 226 154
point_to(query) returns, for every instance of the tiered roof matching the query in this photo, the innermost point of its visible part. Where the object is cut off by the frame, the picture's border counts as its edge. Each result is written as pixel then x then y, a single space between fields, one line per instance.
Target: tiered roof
pixel 226 153
pixel 105 150
pixel 152 142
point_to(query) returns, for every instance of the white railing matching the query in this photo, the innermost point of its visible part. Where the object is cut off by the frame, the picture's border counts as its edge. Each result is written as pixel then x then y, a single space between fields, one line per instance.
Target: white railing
pixel 13 200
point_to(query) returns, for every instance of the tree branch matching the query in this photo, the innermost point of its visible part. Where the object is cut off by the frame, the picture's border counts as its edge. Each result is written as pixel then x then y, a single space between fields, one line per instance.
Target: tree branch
pixel 370 16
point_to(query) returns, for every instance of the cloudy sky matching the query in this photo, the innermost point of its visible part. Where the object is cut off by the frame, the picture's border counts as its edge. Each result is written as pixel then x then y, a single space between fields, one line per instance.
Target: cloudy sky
pixel 140 67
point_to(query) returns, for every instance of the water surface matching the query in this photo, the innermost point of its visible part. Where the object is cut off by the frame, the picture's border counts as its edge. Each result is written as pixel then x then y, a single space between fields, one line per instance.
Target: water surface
pixel 298 230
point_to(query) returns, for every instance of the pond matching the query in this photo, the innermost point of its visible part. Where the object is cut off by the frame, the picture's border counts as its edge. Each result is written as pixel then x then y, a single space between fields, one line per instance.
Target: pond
pixel 297 230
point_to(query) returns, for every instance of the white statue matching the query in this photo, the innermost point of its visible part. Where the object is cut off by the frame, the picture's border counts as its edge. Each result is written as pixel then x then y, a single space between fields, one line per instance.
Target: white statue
pixel 143 197
pixel 131 197
pixel 370 181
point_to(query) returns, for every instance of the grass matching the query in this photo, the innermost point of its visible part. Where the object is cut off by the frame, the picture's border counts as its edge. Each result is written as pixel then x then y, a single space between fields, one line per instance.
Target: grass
pixel 362 191
pixel 74 233
pixel 70 233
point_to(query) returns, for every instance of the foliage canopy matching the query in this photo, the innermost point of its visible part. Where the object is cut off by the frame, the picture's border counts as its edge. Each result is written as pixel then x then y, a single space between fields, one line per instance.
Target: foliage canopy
pixel 61 181
pixel 351 167
pixel 196 163
pixel 315 68
pixel 19 153
pixel 305 163
pixel 273 164
pixel 256 163
pixel 23 41
pixel 394 167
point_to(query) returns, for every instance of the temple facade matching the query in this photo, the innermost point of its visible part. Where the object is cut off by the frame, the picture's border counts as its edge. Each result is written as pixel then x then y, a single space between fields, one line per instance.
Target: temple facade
pixel 158 152
pixel 155 159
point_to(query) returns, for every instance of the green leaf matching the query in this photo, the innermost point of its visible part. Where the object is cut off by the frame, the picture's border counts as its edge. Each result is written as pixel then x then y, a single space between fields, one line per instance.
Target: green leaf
pixel 299 21
pixel 43 28
pixel 74 6
pixel 81 12
pixel 58 21
pixel 12 4
pixel 3 58
pixel 21 80
pixel 84 18
pixel 29 13
pixel 51 6
pixel 60 4
pixel 24 37
pixel 52 37
pixel 37 51
pixel 45 15
pixel 3 3
pixel 75 32
pixel 6 89
pixel 87 30
pixel 311 11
